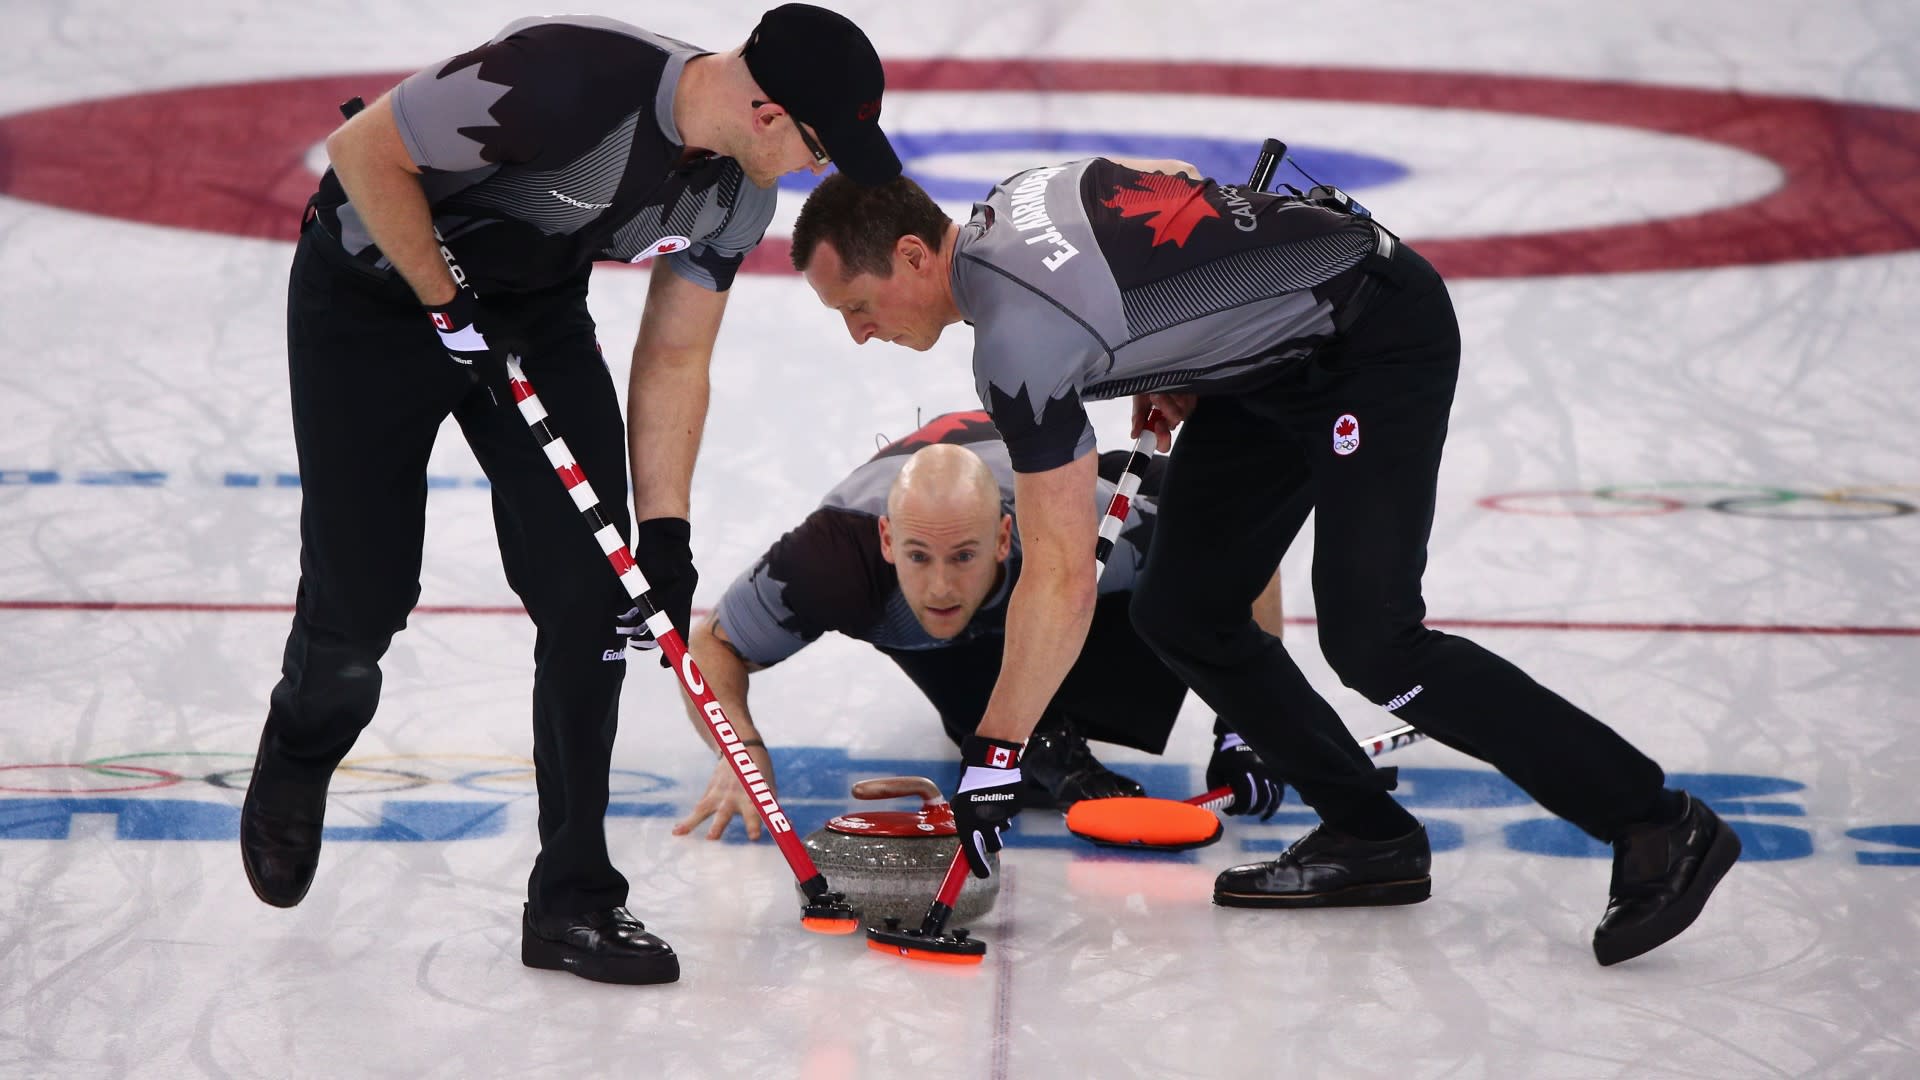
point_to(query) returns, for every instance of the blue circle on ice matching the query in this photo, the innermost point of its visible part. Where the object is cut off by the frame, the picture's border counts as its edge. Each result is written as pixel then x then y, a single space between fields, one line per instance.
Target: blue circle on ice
pixel 939 160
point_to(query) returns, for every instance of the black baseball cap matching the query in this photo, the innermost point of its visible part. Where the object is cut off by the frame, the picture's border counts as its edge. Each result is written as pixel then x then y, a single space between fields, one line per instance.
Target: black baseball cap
pixel 823 69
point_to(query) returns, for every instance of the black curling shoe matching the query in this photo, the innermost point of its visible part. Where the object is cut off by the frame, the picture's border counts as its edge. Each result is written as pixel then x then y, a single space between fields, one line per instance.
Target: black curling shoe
pixel 1662 876
pixel 280 823
pixel 608 946
pixel 1059 769
pixel 1331 869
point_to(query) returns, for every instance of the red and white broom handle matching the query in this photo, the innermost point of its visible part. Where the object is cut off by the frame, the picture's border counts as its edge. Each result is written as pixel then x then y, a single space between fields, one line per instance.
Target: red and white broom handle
pixel 1374 747
pixel 1131 474
pixel 942 907
pixel 812 882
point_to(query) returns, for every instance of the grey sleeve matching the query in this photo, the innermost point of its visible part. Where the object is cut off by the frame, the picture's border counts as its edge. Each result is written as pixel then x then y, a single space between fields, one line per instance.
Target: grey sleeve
pixel 1030 358
pixel 712 262
pixel 756 620
pixel 432 111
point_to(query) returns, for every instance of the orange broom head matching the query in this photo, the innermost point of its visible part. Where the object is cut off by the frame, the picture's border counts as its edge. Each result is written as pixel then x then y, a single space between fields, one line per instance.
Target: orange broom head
pixel 1143 823
pixel 830 925
pixel 926 954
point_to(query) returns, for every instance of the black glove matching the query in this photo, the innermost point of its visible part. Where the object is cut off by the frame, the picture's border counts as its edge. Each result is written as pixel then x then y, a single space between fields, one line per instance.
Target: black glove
pixel 1256 790
pixel 988 798
pixel 460 322
pixel 662 551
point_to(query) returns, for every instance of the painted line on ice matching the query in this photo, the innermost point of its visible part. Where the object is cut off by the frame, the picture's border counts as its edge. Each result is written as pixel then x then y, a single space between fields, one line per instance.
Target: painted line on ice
pixel 1624 626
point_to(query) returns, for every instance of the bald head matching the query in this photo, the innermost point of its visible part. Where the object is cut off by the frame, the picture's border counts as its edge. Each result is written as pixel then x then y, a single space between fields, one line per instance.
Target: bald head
pixel 945 483
pixel 946 536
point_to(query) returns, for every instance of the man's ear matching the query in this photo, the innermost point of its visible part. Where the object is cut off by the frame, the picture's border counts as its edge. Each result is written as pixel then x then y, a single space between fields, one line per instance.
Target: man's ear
pixel 886 539
pixel 913 250
pixel 1003 547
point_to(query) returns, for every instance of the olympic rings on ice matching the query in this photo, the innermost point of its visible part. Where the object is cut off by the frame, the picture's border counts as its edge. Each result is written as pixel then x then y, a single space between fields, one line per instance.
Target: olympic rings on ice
pixel 1858 503
pixel 118 774
pixel 158 778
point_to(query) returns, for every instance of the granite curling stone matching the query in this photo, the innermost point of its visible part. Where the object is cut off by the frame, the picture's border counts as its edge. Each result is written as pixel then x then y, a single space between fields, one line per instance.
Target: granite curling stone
pixel 890 863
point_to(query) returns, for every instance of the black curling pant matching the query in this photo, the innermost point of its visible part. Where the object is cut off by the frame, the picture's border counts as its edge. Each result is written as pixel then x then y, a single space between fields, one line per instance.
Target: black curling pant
pixel 371 386
pixel 1242 477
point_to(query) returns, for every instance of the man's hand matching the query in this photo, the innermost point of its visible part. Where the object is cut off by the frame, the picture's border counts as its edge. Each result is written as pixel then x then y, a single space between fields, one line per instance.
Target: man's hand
pixel 988 798
pixel 726 798
pixel 1256 790
pixel 1173 408
pixel 459 322
pixel 662 549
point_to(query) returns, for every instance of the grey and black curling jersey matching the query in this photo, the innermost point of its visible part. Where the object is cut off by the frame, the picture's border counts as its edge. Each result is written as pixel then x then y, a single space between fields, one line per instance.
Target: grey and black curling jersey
pixel 553 146
pixel 1089 280
pixel 828 573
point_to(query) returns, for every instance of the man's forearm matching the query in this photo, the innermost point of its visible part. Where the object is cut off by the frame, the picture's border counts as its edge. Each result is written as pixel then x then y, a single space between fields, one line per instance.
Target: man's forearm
pixel 666 415
pixel 1047 620
pixel 726 676
pixel 1052 605
pixel 372 166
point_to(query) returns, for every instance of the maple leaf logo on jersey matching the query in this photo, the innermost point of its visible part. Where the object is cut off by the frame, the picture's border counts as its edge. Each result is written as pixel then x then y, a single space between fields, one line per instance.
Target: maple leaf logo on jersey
pixel 1174 203
pixel 947 424
pixel 956 427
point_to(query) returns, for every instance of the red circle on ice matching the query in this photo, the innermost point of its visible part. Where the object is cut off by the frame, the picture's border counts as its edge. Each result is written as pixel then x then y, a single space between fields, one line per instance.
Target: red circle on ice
pixel 232 158
pixel 160 778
